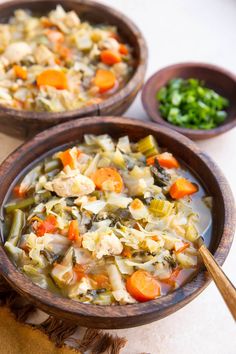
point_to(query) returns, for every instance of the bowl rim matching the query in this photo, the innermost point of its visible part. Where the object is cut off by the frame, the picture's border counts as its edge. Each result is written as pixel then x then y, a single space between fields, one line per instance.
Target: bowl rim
pixel 133 85
pixel 155 115
pixel 108 315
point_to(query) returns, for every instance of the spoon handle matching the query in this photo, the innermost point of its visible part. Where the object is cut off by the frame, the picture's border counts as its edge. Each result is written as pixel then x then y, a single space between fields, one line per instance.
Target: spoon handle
pixel 224 285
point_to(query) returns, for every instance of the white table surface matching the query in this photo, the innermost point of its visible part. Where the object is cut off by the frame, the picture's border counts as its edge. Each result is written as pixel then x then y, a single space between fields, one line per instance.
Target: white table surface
pixel 177 31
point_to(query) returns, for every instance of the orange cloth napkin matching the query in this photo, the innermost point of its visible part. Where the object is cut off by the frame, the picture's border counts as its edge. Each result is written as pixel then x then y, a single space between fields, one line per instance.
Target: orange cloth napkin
pixel 18 338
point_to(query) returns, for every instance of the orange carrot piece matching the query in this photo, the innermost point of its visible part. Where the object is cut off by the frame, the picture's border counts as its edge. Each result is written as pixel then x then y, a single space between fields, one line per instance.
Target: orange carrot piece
pixel 55 36
pixel 143 286
pixel 165 160
pixel 49 225
pixel 108 174
pixel 110 57
pixel 182 187
pixel 20 72
pixel 155 238
pixel 18 192
pixel 73 232
pixel 104 80
pixel 67 158
pixel 182 248
pixel 123 49
pixel 54 78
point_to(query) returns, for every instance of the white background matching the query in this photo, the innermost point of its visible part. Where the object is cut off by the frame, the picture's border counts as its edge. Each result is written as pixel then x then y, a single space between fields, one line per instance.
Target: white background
pixel 177 31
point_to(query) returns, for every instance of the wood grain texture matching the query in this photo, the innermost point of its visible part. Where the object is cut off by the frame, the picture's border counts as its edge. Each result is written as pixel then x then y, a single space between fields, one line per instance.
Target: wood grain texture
pixel 27 123
pixel 220 80
pixel 222 282
pixel 184 149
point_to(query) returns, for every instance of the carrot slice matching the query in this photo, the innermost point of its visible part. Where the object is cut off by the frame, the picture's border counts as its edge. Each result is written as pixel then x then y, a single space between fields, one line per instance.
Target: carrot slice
pixel 20 72
pixel 143 286
pixel 182 187
pixel 165 160
pixel 49 225
pixel 108 174
pixel 54 78
pixel 110 57
pixel 105 80
pixel 67 158
pixel 123 49
pixel 73 232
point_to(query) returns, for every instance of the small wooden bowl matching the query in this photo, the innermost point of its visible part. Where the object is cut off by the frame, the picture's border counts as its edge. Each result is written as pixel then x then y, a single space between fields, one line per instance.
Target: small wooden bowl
pixel 128 315
pixel 26 123
pixel 220 80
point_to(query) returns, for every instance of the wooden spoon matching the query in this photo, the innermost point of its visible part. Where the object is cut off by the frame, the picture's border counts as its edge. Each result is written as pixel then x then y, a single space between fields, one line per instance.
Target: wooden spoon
pixel 226 288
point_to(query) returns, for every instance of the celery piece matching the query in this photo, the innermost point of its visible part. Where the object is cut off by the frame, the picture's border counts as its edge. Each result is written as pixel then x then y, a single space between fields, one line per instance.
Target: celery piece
pixel 160 207
pixel 148 146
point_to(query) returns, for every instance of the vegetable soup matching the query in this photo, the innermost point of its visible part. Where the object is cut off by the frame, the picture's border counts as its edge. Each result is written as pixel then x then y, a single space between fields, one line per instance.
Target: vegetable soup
pixel 58 62
pixel 107 221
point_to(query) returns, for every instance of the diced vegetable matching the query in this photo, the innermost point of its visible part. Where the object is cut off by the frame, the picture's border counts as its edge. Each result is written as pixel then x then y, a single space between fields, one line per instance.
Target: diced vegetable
pixel 20 72
pixel 143 286
pixel 110 57
pixel 54 78
pixel 17 225
pixel 123 49
pixel 104 80
pixel 181 188
pixel 67 158
pixel 191 233
pixel 186 261
pixel 49 225
pixel 165 160
pixel 160 207
pixel 148 146
pixel 73 232
pixel 108 179
pixel 22 204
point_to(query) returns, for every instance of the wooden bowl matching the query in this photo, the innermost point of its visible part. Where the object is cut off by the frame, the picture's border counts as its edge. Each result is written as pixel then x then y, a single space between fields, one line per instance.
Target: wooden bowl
pixel 26 123
pixel 127 315
pixel 220 80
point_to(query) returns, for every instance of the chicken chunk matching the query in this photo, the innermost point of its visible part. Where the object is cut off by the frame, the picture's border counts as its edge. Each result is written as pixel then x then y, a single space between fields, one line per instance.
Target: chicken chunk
pixel 15 52
pixel 70 184
pixel 102 242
